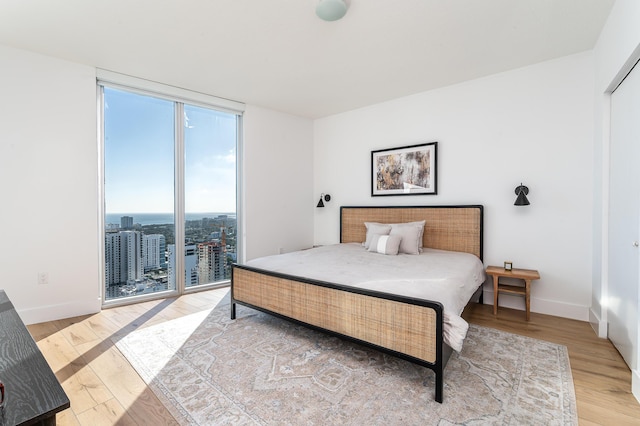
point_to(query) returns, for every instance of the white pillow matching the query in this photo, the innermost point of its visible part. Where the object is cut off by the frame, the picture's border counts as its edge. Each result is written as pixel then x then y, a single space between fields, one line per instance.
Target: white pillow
pixel 419 224
pixel 410 238
pixel 375 228
pixel 385 244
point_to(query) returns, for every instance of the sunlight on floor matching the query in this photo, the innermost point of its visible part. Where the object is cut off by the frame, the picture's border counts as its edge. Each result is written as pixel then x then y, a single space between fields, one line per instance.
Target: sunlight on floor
pixel 173 334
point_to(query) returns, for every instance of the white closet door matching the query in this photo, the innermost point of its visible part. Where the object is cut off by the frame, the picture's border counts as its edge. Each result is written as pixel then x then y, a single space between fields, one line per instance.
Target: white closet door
pixel 624 218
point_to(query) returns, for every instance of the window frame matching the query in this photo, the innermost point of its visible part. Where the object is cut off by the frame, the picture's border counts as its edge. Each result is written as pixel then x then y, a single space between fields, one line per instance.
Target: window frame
pixel 179 97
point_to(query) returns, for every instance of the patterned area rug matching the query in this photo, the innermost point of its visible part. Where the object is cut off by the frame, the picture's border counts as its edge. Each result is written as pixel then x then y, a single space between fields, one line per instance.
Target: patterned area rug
pixel 258 369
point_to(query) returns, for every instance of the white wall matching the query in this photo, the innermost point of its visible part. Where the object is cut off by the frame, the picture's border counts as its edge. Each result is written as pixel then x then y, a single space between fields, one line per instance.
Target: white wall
pixel 48 176
pixel 278 183
pixel 532 125
pixel 49 184
pixel 617 49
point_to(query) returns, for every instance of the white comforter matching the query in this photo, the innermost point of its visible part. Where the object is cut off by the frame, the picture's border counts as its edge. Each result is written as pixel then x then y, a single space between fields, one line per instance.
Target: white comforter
pixel 447 277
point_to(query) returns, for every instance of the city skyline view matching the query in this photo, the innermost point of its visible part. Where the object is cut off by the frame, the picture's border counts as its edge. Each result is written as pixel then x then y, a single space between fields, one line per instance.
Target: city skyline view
pixel 141 145
pixel 140 259
pixel 160 217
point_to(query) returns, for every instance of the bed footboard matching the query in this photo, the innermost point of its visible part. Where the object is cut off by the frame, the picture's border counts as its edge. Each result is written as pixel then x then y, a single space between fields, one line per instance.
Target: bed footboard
pixel 406 327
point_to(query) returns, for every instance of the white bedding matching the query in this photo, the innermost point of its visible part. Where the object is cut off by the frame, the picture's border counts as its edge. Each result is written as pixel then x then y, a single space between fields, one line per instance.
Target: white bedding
pixel 447 277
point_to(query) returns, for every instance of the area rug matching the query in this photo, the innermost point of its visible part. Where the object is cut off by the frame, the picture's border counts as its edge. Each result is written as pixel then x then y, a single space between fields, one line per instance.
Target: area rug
pixel 261 370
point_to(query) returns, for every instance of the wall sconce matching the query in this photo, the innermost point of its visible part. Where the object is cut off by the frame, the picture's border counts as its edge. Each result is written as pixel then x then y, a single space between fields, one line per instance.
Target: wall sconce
pixel 325 197
pixel 521 192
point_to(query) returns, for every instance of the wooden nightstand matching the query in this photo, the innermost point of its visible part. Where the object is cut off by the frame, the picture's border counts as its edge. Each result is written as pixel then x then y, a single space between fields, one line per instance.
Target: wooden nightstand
pixel 527 275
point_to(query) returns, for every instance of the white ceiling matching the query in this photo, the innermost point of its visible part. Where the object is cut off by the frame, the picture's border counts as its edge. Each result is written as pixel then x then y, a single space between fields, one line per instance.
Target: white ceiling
pixel 278 54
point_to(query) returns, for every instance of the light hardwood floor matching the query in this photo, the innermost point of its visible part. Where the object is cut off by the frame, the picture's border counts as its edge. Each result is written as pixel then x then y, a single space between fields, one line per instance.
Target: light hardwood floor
pixel 104 389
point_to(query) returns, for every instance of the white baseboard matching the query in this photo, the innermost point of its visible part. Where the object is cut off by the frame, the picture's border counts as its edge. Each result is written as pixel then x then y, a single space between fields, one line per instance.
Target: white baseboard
pixel 599 326
pixel 59 311
pixel 635 384
pixel 541 306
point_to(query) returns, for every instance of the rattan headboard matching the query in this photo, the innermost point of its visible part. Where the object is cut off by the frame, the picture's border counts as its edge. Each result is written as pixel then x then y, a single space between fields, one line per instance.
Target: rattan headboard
pixel 456 228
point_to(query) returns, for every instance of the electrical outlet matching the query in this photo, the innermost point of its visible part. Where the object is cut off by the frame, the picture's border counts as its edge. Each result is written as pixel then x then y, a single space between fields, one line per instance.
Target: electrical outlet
pixel 43 278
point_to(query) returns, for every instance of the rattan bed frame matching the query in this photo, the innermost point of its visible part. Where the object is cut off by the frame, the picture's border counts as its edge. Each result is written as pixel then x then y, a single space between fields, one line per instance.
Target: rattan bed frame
pixel 406 327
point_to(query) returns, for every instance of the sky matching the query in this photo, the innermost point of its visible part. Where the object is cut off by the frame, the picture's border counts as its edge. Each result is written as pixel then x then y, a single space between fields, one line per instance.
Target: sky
pixel 139 156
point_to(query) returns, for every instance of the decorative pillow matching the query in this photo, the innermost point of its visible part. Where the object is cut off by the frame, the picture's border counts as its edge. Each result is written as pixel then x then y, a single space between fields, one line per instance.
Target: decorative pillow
pixel 385 244
pixel 375 228
pixel 419 224
pixel 411 237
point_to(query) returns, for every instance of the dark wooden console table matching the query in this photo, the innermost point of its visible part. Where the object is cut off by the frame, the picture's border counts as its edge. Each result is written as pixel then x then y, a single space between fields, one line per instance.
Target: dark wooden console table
pixel 33 394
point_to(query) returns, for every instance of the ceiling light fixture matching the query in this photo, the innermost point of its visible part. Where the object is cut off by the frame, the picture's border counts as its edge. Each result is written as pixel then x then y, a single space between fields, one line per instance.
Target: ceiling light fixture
pixel 331 10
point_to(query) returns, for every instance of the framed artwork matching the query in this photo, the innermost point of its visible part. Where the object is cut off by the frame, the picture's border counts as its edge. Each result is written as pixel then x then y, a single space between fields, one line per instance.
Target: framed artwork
pixel 409 170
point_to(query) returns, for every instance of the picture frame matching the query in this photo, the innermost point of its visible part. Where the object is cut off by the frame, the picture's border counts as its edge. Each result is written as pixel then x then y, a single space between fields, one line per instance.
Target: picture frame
pixel 508 266
pixel 407 170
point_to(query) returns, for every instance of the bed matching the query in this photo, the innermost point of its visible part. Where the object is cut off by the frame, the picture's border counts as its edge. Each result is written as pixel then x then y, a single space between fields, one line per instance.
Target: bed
pixel 406 326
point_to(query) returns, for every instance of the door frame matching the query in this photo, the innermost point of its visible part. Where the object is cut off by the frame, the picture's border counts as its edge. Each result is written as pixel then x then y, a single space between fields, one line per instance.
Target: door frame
pixel 602 328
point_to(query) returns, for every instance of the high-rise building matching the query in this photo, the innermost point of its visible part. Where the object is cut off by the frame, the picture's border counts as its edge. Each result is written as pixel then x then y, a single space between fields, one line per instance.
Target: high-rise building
pixel 153 252
pixel 126 222
pixel 123 257
pixel 211 262
pixel 190 264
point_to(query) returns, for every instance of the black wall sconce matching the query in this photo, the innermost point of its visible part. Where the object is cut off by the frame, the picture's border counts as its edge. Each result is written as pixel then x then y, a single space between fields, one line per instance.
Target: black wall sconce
pixel 521 192
pixel 325 197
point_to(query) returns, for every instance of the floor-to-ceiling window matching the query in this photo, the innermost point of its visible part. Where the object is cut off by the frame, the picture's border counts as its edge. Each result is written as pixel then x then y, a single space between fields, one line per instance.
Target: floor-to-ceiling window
pixel 170 171
pixel 210 192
